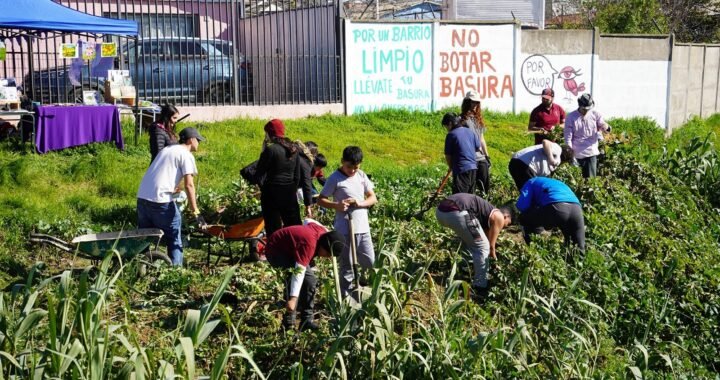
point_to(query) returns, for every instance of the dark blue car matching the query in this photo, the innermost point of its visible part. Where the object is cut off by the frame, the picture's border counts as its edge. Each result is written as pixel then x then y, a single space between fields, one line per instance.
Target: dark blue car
pixel 178 70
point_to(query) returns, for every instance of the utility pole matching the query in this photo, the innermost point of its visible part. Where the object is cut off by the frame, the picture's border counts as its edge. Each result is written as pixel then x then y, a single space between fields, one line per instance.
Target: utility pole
pixel 377 9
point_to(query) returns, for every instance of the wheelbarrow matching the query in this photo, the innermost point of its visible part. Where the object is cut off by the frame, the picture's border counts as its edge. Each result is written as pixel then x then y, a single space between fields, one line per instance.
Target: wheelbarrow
pixel 251 233
pixel 128 244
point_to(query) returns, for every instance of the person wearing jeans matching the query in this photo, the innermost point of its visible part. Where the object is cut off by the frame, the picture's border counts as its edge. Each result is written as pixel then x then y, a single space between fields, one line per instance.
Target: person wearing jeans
pixel 155 206
pixel 546 203
pixel 477 223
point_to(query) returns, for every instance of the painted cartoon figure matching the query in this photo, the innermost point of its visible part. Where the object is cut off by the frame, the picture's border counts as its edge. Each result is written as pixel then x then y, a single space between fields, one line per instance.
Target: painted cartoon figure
pixel 568 75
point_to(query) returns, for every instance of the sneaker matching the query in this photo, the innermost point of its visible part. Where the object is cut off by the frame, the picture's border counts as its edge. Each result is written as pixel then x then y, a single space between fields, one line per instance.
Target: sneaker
pixel 309 325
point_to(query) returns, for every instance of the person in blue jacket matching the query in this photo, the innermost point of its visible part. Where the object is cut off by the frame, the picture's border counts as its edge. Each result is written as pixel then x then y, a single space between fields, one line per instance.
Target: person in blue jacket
pixel 460 147
pixel 549 203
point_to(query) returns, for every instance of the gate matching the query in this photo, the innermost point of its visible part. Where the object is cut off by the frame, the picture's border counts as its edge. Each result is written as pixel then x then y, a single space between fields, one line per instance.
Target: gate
pixel 195 52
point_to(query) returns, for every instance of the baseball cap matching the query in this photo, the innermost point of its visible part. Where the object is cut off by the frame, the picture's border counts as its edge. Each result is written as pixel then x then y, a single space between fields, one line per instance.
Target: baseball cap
pixel 189 133
pixel 473 95
pixel 548 93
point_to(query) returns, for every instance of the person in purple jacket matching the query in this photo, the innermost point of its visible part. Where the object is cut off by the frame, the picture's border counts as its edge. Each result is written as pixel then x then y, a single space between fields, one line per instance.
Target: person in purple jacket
pixel 583 130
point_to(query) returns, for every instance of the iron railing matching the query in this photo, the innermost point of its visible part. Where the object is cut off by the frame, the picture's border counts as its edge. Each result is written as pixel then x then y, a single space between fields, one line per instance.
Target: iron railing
pixel 196 52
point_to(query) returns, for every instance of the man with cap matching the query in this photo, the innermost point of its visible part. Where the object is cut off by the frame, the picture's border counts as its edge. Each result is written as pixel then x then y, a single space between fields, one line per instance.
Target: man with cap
pixel 546 203
pixel 460 147
pixel 545 117
pixel 155 207
pixel 294 248
pixel 583 129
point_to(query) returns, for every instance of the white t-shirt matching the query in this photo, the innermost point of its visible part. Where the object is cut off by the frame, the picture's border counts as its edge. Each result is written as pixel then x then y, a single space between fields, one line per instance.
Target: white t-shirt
pixel 534 157
pixel 165 173
pixel 339 187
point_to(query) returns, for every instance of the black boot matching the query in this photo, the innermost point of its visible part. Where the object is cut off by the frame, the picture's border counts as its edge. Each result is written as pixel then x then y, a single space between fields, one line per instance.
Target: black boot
pixel 308 324
pixel 288 322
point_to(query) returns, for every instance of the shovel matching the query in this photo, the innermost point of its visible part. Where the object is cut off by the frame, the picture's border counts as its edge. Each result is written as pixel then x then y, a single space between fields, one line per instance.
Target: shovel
pixel 433 197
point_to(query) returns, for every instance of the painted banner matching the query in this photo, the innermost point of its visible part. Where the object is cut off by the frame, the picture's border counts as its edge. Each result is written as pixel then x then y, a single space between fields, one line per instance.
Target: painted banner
pixel 474 57
pixel 388 66
pixel 567 74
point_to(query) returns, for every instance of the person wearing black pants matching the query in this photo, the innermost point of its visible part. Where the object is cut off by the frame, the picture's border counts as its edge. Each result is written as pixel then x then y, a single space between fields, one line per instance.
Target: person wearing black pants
pixel 282 172
pixel 472 118
pixel 460 147
pixel 548 203
pixel 294 248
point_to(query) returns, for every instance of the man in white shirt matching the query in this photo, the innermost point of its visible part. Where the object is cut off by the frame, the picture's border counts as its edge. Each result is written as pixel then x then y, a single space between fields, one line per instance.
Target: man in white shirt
pixel 539 160
pixel 155 206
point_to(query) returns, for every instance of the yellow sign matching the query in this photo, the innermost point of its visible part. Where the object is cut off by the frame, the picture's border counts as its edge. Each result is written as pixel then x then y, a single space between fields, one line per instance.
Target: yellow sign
pixel 69 50
pixel 108 49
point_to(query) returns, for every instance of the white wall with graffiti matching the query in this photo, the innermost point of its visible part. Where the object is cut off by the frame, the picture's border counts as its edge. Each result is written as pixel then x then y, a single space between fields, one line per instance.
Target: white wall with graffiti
pixel 568 75
pixel 388 66
pixel 431 65
pixel 474 57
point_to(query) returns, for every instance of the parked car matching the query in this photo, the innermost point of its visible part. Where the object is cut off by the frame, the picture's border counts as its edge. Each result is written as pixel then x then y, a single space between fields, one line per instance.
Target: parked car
pixel 168 69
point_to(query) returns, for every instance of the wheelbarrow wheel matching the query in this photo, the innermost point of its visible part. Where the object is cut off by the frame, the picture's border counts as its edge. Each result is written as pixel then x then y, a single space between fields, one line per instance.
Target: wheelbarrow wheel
pixel 153 261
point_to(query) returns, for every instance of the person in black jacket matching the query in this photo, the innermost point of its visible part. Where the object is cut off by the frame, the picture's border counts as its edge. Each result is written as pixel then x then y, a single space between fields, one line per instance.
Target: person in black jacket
pixel 280 166
pixel 162 132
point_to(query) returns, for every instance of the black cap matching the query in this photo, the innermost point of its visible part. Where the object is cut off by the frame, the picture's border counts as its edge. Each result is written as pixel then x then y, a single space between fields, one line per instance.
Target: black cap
pixel 188 133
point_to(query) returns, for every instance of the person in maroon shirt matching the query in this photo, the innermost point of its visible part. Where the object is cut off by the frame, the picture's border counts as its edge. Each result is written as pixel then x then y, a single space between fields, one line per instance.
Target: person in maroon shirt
pixel 545 117
pixel 294 248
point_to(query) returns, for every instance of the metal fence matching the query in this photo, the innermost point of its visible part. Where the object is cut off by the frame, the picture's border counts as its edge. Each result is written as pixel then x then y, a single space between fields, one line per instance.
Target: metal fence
pixel 195 52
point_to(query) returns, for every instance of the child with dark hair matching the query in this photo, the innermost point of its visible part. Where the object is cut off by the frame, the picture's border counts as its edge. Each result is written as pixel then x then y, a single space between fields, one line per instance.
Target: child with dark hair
pixel 352 192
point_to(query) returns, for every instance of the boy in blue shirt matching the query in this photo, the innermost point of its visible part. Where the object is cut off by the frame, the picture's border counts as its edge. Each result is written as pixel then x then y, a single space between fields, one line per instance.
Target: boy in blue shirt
pixel 549 203
pixel 460 147
pixel 351 191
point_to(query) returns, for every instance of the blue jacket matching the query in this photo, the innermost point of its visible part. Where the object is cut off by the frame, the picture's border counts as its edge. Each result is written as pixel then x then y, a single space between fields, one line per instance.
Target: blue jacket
pixel 542 191
pixel 461 144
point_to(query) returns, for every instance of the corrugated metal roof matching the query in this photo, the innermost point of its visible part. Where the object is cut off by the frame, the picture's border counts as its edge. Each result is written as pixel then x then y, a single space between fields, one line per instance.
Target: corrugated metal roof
pixel 529 12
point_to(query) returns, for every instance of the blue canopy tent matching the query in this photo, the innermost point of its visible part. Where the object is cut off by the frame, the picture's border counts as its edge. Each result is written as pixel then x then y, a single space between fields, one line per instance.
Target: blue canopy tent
pixel 34 16
pixel 31 19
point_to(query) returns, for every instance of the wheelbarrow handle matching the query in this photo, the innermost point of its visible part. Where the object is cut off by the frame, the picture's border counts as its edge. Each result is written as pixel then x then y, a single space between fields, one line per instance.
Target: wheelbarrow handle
pixel 53 241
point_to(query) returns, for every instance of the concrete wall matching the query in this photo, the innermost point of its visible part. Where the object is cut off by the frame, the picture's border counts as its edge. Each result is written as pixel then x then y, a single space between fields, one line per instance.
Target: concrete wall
pixel 632 76
pixel 694 83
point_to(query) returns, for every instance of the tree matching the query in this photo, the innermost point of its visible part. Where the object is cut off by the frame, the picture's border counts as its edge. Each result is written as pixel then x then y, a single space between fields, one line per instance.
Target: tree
pixel 690 20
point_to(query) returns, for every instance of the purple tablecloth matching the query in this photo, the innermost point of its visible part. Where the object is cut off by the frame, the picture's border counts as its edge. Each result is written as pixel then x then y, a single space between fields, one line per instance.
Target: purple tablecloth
pixel 60 127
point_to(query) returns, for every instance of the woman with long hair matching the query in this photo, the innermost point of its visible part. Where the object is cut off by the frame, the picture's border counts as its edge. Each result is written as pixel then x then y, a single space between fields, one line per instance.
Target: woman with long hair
pixel 471 117
pixel 162 132
pixel 279 165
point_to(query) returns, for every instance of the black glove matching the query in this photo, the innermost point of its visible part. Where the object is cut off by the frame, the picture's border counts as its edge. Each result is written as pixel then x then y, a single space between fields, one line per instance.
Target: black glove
pixel 487 158
pixel 200 221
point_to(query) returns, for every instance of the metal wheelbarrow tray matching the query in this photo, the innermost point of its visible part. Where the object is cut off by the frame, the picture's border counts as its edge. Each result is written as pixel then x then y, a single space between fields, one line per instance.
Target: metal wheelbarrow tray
pixel 251 233
pixel 95 247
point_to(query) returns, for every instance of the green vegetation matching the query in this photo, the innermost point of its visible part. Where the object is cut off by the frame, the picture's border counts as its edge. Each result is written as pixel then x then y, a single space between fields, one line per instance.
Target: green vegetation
pixel 642 302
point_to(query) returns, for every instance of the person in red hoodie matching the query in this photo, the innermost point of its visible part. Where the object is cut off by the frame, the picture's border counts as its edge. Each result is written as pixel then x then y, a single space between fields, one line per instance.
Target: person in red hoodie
pixel 294 248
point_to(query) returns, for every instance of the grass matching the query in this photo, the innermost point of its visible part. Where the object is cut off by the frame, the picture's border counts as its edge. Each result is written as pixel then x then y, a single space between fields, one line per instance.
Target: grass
pixel 642 302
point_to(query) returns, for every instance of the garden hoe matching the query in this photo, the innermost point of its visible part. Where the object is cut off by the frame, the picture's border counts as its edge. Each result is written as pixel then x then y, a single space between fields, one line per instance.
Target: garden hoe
pixel 433 197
